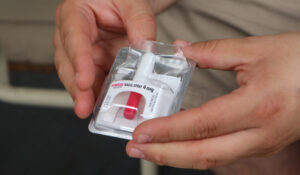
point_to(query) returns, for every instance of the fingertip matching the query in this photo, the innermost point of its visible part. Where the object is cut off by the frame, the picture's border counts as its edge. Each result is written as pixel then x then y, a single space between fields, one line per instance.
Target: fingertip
pixel 134 152
pixel 191 51
pixel 84 104
pixel 144 128
pixel 129 145
pixel 151 131
pixel 80 112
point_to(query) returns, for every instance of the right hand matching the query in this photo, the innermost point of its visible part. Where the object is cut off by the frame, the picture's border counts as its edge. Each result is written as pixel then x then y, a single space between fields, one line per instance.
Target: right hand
pixel 87 36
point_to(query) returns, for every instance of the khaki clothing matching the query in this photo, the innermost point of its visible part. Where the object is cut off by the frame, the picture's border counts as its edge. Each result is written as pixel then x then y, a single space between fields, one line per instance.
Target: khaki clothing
pixel 200 20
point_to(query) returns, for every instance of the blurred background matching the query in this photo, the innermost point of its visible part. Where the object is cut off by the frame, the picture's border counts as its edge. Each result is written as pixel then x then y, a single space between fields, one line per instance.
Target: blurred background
pixel 40 133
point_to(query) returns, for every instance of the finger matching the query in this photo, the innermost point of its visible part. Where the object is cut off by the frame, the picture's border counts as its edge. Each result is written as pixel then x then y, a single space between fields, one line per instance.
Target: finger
pixel 201 154
pixel 182 43
pixel 99 79
pixel 65 71
pixel 63 66
pixel 102 58
pixel 83 100
pixel 227 54
pixel 78 32
pixel 110 48
pixel 84 103
pixel 226 114
pixel 138 19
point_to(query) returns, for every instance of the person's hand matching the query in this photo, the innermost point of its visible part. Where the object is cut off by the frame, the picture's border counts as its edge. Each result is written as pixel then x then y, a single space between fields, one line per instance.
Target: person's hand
pixel 258 119
pixel 87 37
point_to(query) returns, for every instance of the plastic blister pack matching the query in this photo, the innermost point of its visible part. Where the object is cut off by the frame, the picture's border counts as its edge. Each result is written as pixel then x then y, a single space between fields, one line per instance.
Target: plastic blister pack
pixel 147 80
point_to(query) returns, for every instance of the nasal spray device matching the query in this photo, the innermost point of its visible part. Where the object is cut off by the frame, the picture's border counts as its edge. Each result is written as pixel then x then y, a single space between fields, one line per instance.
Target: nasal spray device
pixel 144 68
pixel 147 80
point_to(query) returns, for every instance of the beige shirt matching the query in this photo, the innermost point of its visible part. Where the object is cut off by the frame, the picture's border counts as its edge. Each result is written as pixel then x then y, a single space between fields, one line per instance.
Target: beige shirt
pixel 200 20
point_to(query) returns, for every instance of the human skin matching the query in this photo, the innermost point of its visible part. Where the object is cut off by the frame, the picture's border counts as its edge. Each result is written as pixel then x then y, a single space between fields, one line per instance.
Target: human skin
pixel 260 118
pixel 88 34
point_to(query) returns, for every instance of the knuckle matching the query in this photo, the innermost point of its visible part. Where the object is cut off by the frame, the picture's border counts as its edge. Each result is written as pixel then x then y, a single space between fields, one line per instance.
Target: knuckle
pixel 117 1
pixel 67 43
pixel 277 143
pixel 269 107
pixel 66 37
pixel 204 163
pixel 210 46
pixel 269 147
pixel 58 66
pixel 208 49
pixel 160 159
pixel 202 129
pixel 169 135
pixel 144 17
pixel 270 144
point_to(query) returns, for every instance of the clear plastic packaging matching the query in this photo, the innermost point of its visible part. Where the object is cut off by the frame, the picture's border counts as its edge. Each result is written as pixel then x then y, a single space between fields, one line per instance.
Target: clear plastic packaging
pixel 147 80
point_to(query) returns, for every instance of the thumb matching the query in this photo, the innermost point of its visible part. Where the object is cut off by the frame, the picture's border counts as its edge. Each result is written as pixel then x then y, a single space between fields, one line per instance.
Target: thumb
pixel 138 18
pixel 224 54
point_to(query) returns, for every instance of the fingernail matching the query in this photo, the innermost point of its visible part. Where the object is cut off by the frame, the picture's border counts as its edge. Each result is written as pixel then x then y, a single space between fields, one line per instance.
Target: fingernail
pixel 135 153
pixel 142 138
pixel 183 43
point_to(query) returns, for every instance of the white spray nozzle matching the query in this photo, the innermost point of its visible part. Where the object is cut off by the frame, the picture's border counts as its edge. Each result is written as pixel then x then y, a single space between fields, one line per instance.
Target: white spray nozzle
pixel 145 67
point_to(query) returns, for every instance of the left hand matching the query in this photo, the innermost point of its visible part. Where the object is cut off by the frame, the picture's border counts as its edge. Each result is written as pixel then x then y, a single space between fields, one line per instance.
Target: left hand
pixel 259 118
